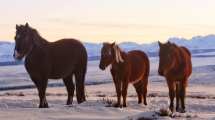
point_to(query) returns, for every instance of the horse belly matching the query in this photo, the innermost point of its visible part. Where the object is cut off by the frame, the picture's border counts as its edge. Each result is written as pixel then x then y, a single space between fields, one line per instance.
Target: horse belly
pixel 61 71
pixel 137 74
pixel 67 61
pixel 134 81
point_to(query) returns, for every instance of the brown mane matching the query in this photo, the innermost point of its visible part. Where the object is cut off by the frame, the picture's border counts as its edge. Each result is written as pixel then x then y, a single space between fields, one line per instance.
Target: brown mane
pixel 37 39
pixel 175 65
pixel 131 67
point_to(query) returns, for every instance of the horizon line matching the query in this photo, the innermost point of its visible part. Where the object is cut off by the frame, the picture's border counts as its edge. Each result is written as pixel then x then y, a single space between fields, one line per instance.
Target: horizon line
pixel 179 37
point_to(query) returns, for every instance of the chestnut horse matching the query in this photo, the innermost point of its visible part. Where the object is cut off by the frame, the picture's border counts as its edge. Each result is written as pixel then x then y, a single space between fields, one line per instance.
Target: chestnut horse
pixel 131 67
pixel 175 65
pixel 52 60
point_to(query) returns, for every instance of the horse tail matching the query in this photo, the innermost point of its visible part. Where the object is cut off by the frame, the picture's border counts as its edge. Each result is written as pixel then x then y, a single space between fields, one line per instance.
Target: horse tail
pixel 188 60
pixel 146 77
pixel 147 65
pixel 186 50
pixel 82 70
pixel 85 63
pixel 147 70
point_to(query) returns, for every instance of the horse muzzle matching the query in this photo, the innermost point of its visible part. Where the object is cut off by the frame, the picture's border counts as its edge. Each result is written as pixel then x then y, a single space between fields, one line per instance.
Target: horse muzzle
pixel 160 72
pixel 102 67
pixel 17 55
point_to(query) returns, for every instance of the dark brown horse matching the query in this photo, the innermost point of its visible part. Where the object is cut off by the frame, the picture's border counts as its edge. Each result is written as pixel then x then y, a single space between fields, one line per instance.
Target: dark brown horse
pixel 131 67
pixel 175 65
pixel 52 60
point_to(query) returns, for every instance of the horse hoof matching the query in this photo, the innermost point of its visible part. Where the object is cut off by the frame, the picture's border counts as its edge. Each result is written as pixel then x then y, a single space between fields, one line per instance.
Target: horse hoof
pixel 117 105
pixel 81 101
pixel 177 109
pixel 183 111
pixel 124 105
pixel 45 106
pixel 69 103
pixel 171 109
pixel 145 103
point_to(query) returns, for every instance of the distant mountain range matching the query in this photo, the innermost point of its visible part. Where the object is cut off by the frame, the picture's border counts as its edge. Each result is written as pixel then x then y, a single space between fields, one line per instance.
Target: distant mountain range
pixel 197 44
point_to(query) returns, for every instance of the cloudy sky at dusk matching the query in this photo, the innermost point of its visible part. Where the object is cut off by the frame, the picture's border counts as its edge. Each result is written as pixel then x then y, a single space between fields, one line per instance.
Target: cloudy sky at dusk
pixel 141 21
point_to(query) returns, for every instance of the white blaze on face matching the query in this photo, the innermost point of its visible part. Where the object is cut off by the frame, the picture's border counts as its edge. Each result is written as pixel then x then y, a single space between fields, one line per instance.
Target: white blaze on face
pixel 16 54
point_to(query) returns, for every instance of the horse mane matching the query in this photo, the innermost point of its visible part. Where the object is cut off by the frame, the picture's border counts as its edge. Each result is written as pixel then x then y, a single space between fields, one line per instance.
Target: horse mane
pixel 118 55
pixel 173 45
pixel 38 40
pixel 178 56
pixel 179 48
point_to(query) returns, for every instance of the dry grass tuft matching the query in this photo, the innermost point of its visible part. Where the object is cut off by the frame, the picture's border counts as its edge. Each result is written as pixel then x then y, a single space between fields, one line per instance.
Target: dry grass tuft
pixel 107 101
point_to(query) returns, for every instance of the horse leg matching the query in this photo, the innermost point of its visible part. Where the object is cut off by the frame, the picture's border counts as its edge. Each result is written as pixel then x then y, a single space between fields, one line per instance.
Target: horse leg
pixel 41 85
pixel 124 92
pixel 80 88
pixel 182 96
pixel 138 88
pixel 68 81
pixel 118 86
pixel 171 86
pixel 145 94
pixel 145 84
pixel 177 96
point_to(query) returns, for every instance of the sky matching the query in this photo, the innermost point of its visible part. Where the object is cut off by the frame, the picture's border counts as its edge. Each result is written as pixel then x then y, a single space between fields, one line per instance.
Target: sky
pixel 141 21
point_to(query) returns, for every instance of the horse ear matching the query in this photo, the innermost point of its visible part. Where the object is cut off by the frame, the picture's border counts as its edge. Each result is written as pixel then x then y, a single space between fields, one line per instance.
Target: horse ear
pixel 17 26
pixel 113 44
pixel 168 42
pixel 104 44
pixel 26 24
pixel 159 43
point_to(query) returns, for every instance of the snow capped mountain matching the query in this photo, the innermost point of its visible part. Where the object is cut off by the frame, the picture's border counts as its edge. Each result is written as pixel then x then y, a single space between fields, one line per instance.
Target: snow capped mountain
pixel 6 47
pixel 195 44
pixel 129 45
pixel 6 51
pixel 93 49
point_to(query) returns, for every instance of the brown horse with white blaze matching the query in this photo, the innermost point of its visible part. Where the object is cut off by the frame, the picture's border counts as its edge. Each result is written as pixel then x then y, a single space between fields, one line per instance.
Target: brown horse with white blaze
pixel 52 60
pixel 131 67
pixel 176 66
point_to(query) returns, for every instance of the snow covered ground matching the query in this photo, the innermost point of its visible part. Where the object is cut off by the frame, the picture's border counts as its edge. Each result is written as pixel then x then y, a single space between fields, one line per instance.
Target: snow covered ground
pixel 22 104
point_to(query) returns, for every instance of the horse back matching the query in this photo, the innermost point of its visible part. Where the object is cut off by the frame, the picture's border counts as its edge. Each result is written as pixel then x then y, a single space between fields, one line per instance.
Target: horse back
pixel 70 50
pixel 186 57
pixel 139 65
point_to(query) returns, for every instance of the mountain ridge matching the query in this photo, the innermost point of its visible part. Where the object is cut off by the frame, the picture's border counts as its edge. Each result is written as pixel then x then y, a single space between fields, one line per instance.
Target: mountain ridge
pixel 195 44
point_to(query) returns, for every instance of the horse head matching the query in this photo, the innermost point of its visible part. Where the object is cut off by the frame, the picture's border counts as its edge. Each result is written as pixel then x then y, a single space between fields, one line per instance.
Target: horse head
pixel 25 38
pixel 167 58
pixel 110 52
